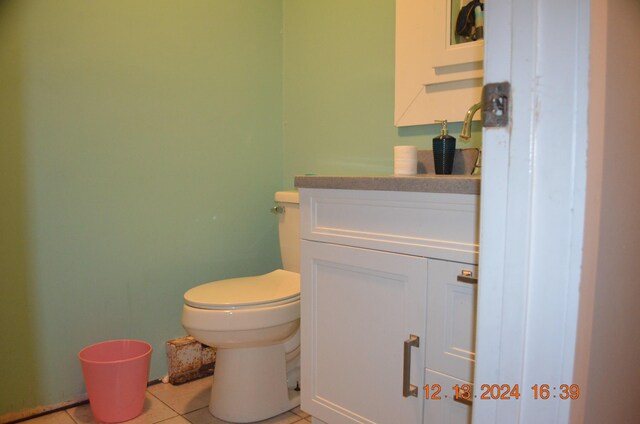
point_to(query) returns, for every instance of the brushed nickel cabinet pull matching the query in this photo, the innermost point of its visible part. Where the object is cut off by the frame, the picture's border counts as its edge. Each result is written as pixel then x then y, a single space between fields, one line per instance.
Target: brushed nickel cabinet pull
pixel 468 402
pixel 466 276
pixel 409 389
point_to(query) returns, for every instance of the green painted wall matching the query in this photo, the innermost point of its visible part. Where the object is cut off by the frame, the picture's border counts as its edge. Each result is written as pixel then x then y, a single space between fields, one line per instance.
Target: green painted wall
pixel 339 90
pixel 140 146
pixel 19 366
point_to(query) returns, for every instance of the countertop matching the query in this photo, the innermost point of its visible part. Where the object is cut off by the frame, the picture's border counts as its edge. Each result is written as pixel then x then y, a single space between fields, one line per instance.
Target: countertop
pixel 425 183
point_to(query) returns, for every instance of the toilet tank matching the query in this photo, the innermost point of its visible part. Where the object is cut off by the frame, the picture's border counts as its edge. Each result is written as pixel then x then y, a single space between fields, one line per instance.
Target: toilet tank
pixel 289 229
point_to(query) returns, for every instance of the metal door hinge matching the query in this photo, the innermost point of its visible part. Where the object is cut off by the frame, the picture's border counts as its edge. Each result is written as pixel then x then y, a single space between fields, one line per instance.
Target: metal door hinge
pixel 495 104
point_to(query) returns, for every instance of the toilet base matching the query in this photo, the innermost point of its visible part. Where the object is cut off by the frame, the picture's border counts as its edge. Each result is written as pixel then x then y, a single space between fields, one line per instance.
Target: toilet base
pixel 250 384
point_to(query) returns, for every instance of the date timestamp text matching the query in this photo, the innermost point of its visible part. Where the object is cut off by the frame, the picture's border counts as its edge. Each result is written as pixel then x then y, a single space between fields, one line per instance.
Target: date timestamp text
pixel 503 392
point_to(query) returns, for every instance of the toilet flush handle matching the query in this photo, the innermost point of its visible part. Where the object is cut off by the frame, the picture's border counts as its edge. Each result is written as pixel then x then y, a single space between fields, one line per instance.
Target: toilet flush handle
pixel 277 209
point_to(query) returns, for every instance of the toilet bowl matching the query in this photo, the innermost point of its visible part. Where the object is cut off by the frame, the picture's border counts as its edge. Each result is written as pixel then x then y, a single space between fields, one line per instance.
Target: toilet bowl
pixel 254 324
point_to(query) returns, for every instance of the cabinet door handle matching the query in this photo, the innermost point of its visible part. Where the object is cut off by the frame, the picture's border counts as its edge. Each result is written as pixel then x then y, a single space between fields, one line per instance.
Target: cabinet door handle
pixel 466 276
pixel 468 402
pixel 409 389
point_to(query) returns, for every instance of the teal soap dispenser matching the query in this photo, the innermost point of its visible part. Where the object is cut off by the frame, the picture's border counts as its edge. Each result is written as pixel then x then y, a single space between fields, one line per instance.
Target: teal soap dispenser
pixel 444 150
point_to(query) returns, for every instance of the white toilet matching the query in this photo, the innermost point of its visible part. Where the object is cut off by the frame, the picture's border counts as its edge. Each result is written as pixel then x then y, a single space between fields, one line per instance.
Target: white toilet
pixel 254 322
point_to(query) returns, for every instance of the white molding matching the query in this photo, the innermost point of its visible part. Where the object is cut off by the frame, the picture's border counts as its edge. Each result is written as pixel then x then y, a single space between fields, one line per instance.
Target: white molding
pixel 532 206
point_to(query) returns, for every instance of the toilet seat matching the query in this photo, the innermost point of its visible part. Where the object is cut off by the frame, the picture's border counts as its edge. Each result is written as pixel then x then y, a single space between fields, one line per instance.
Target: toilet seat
pixel 275 288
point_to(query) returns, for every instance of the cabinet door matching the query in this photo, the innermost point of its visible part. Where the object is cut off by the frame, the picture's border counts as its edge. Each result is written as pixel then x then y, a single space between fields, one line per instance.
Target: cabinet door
pixel 451 319
pixel 358 307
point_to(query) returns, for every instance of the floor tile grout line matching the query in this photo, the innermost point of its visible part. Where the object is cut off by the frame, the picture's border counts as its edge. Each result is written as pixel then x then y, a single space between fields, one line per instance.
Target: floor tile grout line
pixel 197 409
pixel 165 404
pixel 301 416
pixel 173 409
pixel 171 418
pixel 66 411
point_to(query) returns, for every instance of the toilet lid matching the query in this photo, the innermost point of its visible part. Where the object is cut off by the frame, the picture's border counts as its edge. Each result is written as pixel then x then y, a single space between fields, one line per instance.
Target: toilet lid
pixel 275 287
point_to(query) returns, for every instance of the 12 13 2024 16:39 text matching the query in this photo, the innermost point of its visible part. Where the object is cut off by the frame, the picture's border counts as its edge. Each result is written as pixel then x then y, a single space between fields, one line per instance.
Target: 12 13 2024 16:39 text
pixel 503 392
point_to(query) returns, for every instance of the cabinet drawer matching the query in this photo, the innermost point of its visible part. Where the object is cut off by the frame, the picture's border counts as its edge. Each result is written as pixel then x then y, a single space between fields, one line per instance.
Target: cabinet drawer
pixel 445 410
pixel 438 225
pixel 451 318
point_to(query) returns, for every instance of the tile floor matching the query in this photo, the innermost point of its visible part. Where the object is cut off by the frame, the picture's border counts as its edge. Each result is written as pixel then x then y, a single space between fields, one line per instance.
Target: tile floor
pixel 169 404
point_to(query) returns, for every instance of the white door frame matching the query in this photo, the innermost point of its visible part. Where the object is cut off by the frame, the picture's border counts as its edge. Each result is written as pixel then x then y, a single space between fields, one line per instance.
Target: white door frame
pixel 532 206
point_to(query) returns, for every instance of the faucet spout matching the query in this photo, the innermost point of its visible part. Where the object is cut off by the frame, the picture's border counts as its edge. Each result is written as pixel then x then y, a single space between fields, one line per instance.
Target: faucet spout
pixel 466 126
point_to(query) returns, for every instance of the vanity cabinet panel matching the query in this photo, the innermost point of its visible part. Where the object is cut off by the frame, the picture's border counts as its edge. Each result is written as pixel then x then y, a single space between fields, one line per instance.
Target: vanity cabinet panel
pixel 439 225
pixel 446 409
pixel 451 318
pixel 358 307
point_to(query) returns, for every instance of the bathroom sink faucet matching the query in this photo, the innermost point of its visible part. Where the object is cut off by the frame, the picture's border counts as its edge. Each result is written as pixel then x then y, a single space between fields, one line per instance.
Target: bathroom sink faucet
pixel 466 126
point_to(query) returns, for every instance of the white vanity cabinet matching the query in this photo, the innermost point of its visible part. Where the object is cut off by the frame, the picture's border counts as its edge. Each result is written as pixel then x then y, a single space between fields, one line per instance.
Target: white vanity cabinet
pixel 382 310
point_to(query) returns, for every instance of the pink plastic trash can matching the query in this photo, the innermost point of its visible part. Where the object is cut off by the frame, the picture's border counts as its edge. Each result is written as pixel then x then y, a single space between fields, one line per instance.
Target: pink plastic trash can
pixel 116 373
